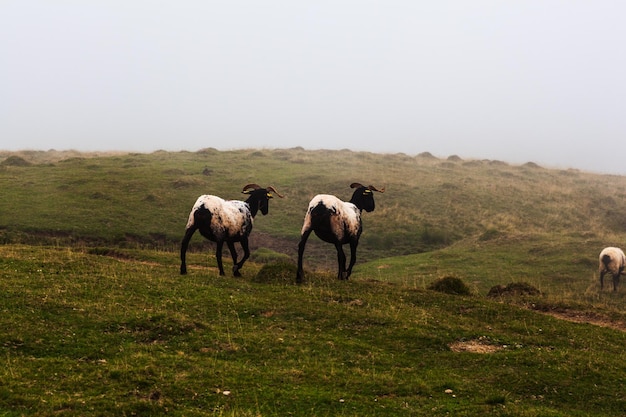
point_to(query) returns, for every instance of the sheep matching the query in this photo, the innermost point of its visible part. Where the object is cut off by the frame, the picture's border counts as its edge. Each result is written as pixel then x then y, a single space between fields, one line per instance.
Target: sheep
pixel 612 260
pixel 226 221
pixel 337 222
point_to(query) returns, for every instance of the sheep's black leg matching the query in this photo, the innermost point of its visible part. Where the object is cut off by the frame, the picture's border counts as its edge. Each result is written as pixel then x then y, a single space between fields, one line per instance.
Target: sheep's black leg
pixel 341 260
pixel 246 255
pixel 301 245
pixel 353 246
pixel 183 249
pixel 218 255
pixel 233 254
pixel 601 280
pixel 615 281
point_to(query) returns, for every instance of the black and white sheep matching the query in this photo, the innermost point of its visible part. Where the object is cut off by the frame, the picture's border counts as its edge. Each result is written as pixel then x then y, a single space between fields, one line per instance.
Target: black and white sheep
pixel 229 221
pixel 613 261
pixel 337 222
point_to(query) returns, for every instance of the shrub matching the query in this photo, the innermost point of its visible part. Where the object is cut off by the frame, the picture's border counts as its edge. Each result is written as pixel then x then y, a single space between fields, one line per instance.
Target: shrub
pixel 15 161
pixel 435 237
pixel 490 234
pixel 277 273
pixel 513 289
pixel 450 285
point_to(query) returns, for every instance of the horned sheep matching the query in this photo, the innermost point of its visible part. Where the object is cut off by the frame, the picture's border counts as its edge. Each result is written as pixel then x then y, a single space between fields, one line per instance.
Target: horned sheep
pixel 613 261
pixel 337 222
pixel 229 221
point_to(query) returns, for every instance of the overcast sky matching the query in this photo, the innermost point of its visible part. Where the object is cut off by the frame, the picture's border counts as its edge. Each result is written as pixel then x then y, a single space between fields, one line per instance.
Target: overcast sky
pixel 517 81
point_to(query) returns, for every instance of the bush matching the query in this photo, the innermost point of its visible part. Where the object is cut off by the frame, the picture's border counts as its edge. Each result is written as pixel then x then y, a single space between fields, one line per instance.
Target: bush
pixel 490 234
pixel 277 273
pixel 513 289
pixel 15 161
pixel 450 285
pixel 435 237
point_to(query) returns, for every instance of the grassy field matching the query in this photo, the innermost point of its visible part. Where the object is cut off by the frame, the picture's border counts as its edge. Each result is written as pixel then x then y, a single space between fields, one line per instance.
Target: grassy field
pixel 96 319
pixel 144 199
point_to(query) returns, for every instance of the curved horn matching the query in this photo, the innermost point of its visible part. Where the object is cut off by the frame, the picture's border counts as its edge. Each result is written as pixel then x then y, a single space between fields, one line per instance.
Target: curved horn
pixel 250 187
pixel 371 187
pixel 273 190
pixel 355 185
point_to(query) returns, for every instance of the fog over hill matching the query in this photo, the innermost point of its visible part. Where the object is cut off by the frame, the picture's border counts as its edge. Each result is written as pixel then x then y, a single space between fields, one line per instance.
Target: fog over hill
pixel 532 81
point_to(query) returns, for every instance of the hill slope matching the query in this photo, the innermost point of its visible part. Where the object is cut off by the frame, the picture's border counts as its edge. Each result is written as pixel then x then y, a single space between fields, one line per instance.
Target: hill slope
pixel 99 322
pixel 429 203
pixel 121 333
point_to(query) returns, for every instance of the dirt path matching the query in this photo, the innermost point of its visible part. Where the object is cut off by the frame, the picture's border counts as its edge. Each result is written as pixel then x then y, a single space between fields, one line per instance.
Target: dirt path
pixel 484 345
pixel 586 317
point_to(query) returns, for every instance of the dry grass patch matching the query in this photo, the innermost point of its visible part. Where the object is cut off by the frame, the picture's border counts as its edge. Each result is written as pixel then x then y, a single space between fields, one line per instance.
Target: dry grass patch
pixel 474 346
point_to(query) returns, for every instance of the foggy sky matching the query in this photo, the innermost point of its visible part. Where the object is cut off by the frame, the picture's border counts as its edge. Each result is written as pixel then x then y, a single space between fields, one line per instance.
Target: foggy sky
pixel 517 81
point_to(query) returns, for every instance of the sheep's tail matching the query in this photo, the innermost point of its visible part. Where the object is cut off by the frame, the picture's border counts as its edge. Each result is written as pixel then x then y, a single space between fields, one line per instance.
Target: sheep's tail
pixel 318 215
pixel 319 211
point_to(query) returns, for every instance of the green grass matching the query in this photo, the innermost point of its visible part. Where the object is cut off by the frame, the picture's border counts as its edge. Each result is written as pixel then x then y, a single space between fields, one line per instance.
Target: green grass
pixel 144 199
pixel 96 319
pixel 87 334
pixel 568 263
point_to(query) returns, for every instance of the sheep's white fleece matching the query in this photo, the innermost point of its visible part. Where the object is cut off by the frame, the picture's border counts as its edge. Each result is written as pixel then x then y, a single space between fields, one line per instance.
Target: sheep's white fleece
pixel 230 217
pixel 347 217
pixel 618 260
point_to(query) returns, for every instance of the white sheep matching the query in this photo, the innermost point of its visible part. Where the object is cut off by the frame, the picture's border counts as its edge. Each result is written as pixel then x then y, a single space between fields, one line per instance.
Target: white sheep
pixel 222 221
pixel 337 222
pixel 613 261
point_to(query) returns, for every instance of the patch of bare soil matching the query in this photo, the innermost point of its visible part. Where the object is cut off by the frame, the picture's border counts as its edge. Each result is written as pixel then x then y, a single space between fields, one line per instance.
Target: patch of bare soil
pixel 475 346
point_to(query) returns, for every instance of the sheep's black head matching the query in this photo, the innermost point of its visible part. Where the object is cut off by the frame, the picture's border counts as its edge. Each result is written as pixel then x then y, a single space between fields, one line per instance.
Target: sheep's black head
pixel 259 198
pixel 363 197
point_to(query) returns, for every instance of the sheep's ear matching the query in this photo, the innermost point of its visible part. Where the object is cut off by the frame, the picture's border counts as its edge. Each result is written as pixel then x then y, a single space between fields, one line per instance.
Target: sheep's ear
pixel 355 185
pixel 371 187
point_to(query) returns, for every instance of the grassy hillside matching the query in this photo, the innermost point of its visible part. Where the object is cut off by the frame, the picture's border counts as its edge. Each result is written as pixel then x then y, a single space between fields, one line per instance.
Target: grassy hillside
pixel 430 203
pixel 516 216
pixel 97 321
pixel 119 332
